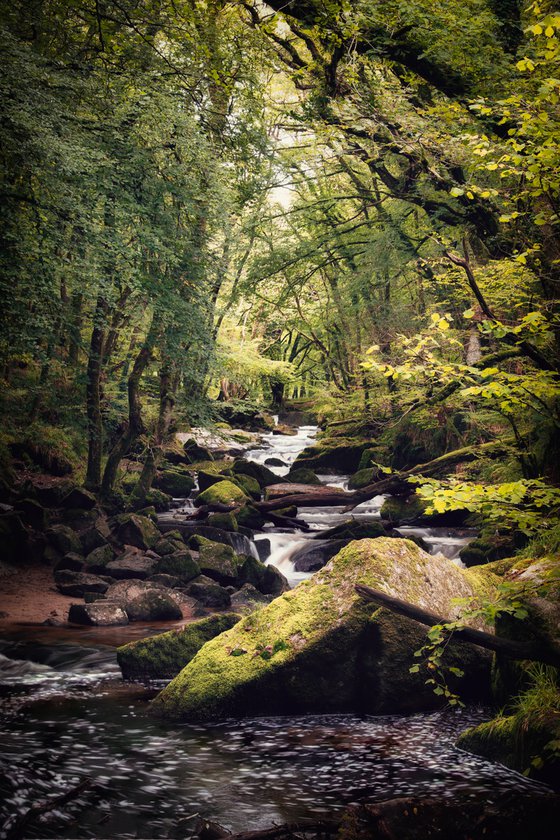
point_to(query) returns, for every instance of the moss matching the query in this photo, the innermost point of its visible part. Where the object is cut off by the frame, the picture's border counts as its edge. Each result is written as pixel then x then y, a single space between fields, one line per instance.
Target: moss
pixel 335 453
pixel 526 740
pixel 363 478
pixel 217 560
pixel 397 509
pixel 223 521
pixel 180 565
pixel 327 653
pixel 163 656
pixel 249 517
pixel 249 485
pixel 259 472
pixel 223 492
pixel 176 483
pixel 301 475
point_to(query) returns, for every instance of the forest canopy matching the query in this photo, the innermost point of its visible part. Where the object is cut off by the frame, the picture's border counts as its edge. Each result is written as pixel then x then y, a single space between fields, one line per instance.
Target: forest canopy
pixel 347 205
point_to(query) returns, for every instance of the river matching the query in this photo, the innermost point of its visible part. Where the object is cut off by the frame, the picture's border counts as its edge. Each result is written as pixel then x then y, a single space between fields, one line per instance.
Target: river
pixel 68 715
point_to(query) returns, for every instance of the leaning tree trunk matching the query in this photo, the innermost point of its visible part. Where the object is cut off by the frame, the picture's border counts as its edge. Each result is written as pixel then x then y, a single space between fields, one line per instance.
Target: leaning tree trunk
pixel 93 396
pixel 168 384
pixel 135 425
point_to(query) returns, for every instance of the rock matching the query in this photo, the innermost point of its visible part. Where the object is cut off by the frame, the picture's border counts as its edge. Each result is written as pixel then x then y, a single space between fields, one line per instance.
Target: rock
pixel 132 529
pixel 64 539
pixel 180 565
pixel 354 529
pixel 249 517
pixel 153 605
pixel 150 503
pixel 70 562
pixel 195 453
pixel 78 499
pixel 163 656
pixel 96 535
pixel 274 582
pixel 247 418
pixel 492 544
pixel 97 560
pixel 263 549
pixel 252 571
pixel 78 583
pixel 33 513
pixel 300 475
pixel 209 593
pixel 176 483
pixel 398 510
pixel 333 454
pixel 259 472
pixel 217 561
pixel 248 599
pixel 321 648
pixel 275 462
pixel 316 554
pixel 132 565
pixel 98 614
pixel 223 492
pixel 250 485
pixel 207 479
pixel 364 477
pixel 223 521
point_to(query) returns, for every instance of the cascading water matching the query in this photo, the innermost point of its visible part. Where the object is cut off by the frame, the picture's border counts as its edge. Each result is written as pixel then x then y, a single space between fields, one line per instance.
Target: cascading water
pixel 151 780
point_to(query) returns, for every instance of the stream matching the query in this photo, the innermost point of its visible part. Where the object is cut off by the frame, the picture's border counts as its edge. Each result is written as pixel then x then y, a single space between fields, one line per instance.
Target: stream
pixel 68 715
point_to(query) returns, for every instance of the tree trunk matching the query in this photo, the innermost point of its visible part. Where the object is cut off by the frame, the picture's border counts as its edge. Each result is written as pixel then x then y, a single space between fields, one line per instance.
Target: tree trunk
pixel 93 396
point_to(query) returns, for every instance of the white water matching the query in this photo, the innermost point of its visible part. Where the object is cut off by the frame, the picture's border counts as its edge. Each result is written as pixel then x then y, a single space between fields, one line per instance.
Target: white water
pixel 284 447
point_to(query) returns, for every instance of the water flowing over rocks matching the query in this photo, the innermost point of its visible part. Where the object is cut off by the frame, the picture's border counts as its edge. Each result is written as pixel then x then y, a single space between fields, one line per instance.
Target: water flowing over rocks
pixel 318 648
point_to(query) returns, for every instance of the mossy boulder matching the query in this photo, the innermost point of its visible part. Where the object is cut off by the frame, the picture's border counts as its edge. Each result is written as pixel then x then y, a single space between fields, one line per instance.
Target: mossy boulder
pixel 64 539
pixel 490 545
pixel 400 509
pixel 363 478
pixel 78 498
pixel 176 483
pixel 248 599
pixel 96 535
pixel 223 492
pixel 154 499
pixel 165 655
pixel 259 472
pixel 249 517
pixel 217 561
pixel 355 529
pixel 368 456
pixel 267 579
pixel 32 513
pixel 209 593
pixel 207 479
pixel 223 521
pixel 332 454
pixel 321 648
pixel 194 452
pixel 300 475
pixel 97 560
pixel 249 484
pixel 153 605
pixel 133 529
pixel 180 565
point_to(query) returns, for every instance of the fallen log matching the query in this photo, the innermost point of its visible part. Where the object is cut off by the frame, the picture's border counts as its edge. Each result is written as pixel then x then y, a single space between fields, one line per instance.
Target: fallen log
pixel 396 484
pixel 533 651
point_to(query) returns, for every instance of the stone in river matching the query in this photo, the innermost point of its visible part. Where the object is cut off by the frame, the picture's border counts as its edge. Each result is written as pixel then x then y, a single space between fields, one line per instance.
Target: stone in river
pixel 98 614
pixel 322 648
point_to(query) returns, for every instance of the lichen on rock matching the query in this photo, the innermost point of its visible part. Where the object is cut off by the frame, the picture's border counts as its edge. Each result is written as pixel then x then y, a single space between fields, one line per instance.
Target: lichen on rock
pixel 321 648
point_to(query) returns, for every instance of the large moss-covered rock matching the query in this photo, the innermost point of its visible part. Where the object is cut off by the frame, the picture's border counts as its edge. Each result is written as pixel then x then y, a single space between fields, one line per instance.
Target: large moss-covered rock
pixel 64 539
pixel 223 492
pixel 363 478
pixel 133 529
pixel 320 647
pixel 332 454
pixel 249 484
pixel 259 472
pixel 217 561
pixel 180 565
pixel 300 475
pixel 177 483
pixel 163 656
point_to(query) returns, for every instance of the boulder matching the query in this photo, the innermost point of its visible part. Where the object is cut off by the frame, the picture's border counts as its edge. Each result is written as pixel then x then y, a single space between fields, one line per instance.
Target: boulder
pixel 332 454
pixel 275 462
pixel 70 562
pixel 132 529
pixel 167 546
pixel 248 599
pixel 217 561
pixel 250 485
pixel 96 535
pixel 263 548
pixel 33 513
pixel 98 614
pixel 274 582
pixel 259 472
pixel 195 453
pixel 132 565
pixel 249 517
pixel 78 583
pixel 300 475
pixel 355 529
pixel 364 477
pixel 246 417
pixel 165 655
pixel 64 539
pixel 180 565
pixel 207 479
pixel 223 521
pixel 492 544
pixel 223 492
pixel 321 648
pixel 176 483
pixel 97 560
pixel 150 503
pixel 78 499
pixel 316 554
pixel 401 510
pixel 153 605
pixel 209 593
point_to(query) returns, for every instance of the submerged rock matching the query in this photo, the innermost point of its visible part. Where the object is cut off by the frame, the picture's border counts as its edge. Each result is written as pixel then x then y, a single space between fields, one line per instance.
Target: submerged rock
pixel 163 656
pixel 321 648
